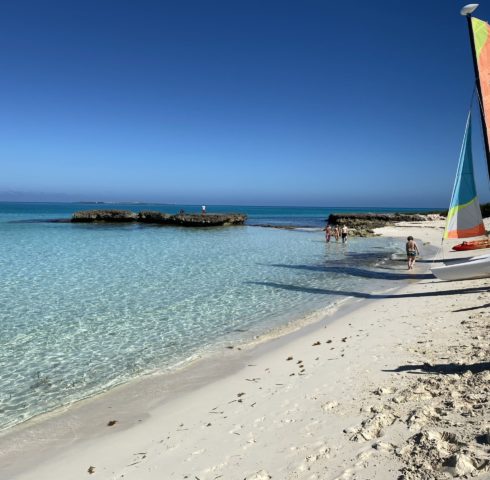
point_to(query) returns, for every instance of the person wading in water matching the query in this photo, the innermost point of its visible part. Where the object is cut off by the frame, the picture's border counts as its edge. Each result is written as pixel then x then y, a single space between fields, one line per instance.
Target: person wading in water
pixel 328 233
pixel 345 231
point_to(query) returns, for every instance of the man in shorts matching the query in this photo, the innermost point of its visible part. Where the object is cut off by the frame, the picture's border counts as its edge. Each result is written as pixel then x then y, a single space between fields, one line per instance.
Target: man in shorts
pixel 345 231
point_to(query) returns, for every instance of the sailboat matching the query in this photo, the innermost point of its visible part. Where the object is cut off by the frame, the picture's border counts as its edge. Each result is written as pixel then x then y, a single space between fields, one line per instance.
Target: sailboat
pixel 464 219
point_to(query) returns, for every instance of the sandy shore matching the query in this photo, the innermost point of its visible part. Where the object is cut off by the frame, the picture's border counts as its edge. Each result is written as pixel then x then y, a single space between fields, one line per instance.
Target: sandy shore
pixel 396 386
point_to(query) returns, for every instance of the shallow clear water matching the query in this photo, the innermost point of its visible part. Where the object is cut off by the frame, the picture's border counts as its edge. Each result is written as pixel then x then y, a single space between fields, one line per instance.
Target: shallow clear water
pixel 84 307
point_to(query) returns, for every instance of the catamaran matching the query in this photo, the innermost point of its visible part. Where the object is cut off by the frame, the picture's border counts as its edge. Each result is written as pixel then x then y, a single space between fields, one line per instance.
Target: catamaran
pixel 464 219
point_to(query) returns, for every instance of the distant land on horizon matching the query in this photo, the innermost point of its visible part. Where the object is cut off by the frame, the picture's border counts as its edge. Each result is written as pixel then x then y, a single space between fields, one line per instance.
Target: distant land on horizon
pixel 22 197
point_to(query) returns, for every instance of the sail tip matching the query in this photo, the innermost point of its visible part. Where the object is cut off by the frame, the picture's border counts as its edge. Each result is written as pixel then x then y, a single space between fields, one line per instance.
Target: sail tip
pixel 469 9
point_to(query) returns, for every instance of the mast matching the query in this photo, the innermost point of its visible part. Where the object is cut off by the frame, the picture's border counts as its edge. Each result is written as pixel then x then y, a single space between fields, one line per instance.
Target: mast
pixel 466 11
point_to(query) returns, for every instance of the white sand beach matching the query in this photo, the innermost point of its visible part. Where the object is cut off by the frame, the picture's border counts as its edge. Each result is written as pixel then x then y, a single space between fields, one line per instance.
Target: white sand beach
pixel 395 385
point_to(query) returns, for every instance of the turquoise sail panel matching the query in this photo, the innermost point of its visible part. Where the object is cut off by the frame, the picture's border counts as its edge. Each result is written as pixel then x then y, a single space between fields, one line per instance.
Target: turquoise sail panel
pixel 464 187
pixel 464 217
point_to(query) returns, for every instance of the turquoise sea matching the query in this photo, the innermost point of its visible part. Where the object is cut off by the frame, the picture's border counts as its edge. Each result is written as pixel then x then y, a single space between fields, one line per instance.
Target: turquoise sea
pixel 87 307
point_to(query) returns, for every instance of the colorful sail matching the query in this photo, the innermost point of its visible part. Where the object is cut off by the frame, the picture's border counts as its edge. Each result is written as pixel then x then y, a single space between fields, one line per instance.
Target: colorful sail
pixel 481 40
pixel 464 217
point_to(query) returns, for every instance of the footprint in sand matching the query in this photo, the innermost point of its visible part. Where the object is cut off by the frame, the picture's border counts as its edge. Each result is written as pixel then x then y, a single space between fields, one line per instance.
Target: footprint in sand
pixel 372 428
pixel 195 454
pixel 259 420
pixel 236 429
pixel 320 451
pixel 329 406
pixel 362 457
pixel 384 447
pixel 261 475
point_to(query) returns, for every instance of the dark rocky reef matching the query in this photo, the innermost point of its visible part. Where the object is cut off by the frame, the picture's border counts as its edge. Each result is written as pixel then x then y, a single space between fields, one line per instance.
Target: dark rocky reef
pixel 192 219
pixel 159 218
pixel 154 217
pixel 362 224
pixel 116 216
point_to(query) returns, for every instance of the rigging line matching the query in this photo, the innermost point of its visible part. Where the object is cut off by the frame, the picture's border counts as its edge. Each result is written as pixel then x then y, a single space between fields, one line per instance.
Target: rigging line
pixel 439 255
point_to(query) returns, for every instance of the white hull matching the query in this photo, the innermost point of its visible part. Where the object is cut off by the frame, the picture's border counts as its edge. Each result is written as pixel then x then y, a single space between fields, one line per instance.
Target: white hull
pixel 475 267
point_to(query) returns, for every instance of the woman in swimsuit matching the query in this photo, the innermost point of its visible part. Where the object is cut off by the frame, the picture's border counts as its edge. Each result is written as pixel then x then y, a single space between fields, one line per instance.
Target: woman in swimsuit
pixel 412 252
pixel 328 233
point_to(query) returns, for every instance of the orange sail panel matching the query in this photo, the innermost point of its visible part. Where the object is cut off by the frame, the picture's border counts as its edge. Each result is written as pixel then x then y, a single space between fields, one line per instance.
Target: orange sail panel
pixel 481 37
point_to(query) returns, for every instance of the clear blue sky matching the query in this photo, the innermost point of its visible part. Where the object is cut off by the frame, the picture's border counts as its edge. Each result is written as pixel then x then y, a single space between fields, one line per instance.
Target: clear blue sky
pixel 310 102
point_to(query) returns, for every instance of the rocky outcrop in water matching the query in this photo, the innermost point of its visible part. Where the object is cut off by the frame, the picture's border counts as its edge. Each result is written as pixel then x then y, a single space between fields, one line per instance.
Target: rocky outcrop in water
pixel 115 216
pixel 362 224
pixel 191 219
pixel 159 218
pixel 154 217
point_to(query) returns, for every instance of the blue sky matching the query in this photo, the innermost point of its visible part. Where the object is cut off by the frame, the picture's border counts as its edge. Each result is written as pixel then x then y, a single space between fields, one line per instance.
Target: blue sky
pixel 252 102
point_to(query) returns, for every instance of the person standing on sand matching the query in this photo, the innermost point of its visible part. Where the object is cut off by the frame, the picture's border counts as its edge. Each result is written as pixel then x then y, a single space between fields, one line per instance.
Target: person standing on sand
pixel 328 233
pixel 412 251
pixel 345 231
pixel 203 210
pixel 336 233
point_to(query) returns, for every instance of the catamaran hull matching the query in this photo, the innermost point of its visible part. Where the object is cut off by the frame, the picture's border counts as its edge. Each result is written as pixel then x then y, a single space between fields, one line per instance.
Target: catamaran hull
pixel 476 267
